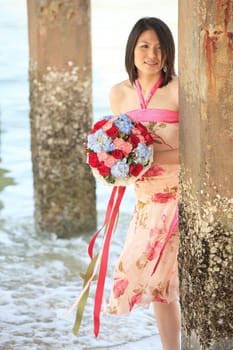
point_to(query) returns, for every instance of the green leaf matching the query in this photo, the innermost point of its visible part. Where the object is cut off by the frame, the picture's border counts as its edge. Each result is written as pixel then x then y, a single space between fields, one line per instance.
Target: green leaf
pixel 80 311
pixel 83 300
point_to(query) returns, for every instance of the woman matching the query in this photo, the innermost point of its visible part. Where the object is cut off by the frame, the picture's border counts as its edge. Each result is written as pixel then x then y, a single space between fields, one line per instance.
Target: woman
pixel 147 268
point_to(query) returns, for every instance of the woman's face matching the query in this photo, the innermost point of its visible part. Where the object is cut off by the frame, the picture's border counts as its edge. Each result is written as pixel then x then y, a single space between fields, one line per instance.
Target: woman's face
pixel 147 54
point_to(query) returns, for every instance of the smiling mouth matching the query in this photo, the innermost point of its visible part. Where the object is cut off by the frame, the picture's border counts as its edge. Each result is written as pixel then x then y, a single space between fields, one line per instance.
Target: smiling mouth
pixel 151 63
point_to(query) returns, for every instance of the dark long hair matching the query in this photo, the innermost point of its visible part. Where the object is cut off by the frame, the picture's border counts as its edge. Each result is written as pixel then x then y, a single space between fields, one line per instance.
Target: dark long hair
pixel 166 43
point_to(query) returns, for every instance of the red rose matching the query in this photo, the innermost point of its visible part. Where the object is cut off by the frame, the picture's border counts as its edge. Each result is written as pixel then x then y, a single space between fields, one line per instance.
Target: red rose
pixel 117 153
pixel 98 125
pixel 143 130
pixel 149 139
pixel 103 169
pixel 112 132
pixel 135 170
pixel 93 160
pixel 134 140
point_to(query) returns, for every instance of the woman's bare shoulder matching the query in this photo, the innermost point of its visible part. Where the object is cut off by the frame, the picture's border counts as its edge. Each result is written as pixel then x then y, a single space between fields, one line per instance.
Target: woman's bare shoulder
pixel 117 95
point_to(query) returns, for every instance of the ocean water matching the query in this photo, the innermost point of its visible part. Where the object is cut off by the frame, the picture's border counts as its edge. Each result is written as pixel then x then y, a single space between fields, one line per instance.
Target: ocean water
pixel 39 275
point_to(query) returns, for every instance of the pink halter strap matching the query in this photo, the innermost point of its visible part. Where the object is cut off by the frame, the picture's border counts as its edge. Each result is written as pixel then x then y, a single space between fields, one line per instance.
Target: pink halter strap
pixel 144 102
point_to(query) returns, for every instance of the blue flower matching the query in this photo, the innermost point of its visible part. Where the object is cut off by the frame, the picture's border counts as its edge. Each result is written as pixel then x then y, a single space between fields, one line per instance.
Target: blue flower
pixel 120 169
pixel 107 117
pixel 143 154
pixel 124 123
pixel 100 142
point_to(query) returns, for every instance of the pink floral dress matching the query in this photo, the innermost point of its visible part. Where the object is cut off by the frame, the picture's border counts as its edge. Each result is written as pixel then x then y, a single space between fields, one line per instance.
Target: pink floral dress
pixel 147 267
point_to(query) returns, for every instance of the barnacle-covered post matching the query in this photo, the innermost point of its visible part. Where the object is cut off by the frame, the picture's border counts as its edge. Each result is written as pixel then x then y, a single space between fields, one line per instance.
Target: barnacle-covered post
pixel 61 115
pixel 206 204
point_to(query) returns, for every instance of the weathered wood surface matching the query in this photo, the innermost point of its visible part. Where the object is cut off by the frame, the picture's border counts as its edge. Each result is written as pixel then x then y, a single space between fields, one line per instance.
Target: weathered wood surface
pixel 206 204
pixel 61 115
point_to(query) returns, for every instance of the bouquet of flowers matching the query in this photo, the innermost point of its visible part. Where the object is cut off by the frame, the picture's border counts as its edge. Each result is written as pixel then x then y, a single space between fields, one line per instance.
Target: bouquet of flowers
pixel 119 150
